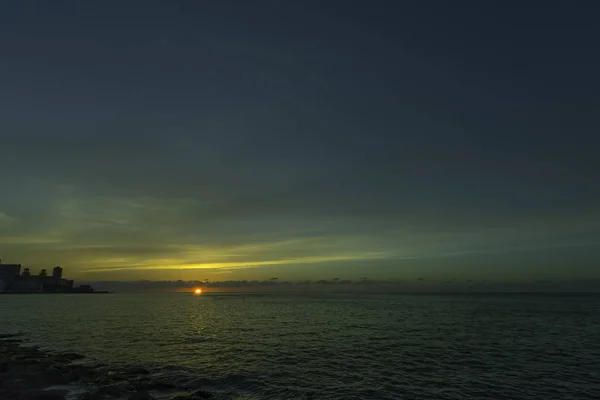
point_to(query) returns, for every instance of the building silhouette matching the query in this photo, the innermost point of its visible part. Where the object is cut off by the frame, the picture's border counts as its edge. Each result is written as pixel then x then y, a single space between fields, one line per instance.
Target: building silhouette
pixel 13 281
pixel 7 274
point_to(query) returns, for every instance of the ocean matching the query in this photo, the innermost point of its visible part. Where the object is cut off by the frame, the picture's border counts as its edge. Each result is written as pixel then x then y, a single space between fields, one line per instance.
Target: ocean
pixel 274 346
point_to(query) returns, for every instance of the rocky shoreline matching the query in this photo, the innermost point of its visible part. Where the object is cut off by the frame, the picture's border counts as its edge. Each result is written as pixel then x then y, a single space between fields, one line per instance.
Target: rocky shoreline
pixel 29 373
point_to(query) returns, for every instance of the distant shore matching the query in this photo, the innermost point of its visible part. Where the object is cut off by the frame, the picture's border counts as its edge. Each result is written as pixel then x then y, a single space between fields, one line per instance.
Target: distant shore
pixel 29 373
pixel 98 292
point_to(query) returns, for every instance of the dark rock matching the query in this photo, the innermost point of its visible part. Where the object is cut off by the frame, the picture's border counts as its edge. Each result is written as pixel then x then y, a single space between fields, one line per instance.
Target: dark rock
pixel 144 395
pixel 112 390
pixel 154 385
pixel 143 385
pixel 164 385
pixel 71 356
pixel 77 373
pixel 92 396
pixel 202 394
pixel 24 372
pixel 197 395
pixel 54 377
pixel 104 381
pixel 8 335
pixel 138 371
pixel 181 396
pixel 9 394
pixel 45 395
pixel 116 389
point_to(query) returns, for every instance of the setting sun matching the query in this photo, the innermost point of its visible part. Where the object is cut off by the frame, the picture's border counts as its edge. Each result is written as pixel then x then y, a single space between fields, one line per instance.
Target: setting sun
pixel 198 291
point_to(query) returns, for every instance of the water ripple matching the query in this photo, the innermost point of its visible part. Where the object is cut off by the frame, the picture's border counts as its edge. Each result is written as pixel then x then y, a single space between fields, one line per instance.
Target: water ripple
pixel 333 347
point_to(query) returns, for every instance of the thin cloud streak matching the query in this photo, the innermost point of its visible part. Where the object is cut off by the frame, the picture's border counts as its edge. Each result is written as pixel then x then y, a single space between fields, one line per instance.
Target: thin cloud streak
pixel 176 264
pixel 303 260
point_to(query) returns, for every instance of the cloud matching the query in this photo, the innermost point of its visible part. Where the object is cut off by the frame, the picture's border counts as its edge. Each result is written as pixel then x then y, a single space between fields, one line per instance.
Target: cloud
pixel 6 220
pixel 168 264
pixel 368 286
pixel 117 236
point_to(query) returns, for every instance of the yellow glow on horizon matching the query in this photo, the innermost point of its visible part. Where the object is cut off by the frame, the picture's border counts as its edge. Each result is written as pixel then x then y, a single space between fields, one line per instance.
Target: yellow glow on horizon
pixel 177 264
pixel 198 291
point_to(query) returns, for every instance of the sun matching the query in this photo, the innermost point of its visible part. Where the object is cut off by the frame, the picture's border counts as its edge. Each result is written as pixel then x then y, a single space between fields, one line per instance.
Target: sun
pixel 198 291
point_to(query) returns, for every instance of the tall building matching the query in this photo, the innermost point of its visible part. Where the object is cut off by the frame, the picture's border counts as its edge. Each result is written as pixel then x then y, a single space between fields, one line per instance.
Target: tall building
pixel 7 274
pixel 12 280
pixel 9 271
pixel 57 273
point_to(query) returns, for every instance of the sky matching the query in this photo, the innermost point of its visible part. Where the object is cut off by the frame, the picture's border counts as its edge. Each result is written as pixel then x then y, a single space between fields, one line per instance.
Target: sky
pixel 238 140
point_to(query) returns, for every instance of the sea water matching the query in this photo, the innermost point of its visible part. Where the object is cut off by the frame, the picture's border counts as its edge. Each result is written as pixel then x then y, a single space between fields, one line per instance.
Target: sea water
pixel 273 346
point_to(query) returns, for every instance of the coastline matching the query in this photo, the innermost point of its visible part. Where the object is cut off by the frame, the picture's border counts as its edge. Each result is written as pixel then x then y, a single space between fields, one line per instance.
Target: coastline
pixel 29 373
pixel 98 292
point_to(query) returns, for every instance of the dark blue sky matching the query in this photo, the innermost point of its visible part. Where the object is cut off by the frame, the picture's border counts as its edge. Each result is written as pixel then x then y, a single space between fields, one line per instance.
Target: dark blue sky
pixel 197 139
